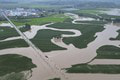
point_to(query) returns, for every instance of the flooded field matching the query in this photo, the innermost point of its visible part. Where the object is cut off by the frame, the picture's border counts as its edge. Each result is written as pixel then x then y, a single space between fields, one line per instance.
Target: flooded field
pixel 71 56
pixel 115 12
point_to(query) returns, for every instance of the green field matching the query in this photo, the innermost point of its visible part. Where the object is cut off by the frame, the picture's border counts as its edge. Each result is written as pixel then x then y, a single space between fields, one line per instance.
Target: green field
pixel 14 76
pixel 6 32
pixel 85 68
pixel 14 63
pixel 13 44
pixel 31 5
pixel 108 52
pixel 88 31
pixel 104 52
pixel 43 40
pixel 62 22
pixel 89 11
pixel 105 16
pixel 41 21
pixel 92 22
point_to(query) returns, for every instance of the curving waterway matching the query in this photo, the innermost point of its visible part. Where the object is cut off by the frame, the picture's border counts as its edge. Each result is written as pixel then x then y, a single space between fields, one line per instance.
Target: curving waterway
pixel 71 56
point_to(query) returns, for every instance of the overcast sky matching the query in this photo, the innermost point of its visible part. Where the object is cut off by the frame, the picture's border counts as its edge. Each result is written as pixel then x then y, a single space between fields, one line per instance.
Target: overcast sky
pixel 62 0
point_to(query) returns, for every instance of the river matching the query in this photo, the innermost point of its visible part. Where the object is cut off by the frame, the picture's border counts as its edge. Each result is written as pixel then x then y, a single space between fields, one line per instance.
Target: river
pixel 71 56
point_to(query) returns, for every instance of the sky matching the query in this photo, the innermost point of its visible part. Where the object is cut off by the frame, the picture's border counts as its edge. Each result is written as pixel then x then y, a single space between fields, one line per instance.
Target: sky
pixel 61 0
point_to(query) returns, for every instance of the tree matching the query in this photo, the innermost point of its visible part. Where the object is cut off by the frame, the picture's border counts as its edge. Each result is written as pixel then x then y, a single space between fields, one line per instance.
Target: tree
pixel 28 26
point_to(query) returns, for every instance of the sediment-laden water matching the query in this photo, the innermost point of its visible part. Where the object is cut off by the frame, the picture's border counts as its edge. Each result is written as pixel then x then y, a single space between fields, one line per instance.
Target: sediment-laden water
pixel 71 56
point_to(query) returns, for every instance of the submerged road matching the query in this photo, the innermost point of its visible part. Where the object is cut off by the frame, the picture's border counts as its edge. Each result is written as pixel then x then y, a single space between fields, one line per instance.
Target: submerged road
pixel 78 56
pixel 57 70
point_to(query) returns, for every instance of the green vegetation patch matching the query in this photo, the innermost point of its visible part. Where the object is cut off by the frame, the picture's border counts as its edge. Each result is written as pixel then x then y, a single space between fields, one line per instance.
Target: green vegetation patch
pixel 108 52
pixel 14 63
pixel 14 76
pixel 110 18
pixel 43 40
pixel 13 44
pixel 92 22
pixel 6 32
pixel 85 68
pixel 90 11
pixel 88 31
pixel 105 16
pixel 40 21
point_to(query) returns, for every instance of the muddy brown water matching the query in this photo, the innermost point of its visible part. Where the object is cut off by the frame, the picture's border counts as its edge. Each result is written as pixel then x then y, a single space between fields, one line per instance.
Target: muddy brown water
pixel 71 56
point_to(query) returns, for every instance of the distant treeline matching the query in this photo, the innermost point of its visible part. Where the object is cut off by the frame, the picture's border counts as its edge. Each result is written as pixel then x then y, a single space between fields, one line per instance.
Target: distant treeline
pixel 81 4
pixel 8 2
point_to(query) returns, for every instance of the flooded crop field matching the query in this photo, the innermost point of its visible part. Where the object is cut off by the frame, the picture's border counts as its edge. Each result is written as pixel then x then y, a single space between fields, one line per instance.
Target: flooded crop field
pixel 78 48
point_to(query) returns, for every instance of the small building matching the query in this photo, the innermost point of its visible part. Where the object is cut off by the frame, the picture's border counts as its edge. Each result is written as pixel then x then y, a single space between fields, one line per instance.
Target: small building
pixel 57 38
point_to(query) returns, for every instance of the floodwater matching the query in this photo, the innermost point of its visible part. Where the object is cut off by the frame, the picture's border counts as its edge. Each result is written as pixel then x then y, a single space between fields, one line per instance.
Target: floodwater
pixel 5 24
pixel 76 18
pixel 114 12
pixel 71 56
pixel 34 29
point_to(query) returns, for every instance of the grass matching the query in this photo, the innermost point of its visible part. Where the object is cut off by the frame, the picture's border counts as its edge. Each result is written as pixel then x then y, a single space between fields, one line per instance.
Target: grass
pixel 110 17
pixel 108 52
pixel 92 22
pixel 41 21
pixel 117 38
pixel 90 11
pixel 43 40
pixel 13 44
pixel 31 5
pixel 104 52
pixel 85 68
pixel 6 32
pixel 105 16
pixel 14 63
pixel 88 31
pixel 46 6
pixel 14 76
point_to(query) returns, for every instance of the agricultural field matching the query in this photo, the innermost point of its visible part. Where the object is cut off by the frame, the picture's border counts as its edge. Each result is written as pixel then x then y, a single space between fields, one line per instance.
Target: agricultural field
pixel 7 32
pixel 88 31
pixel 90 11
pixel 93 22
pixel 13 44
pixel 41 21
pixel 17 64
pixel 85 68
pixel 108 52
pixel 79 36
pixel 104 52
pixel 43 40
